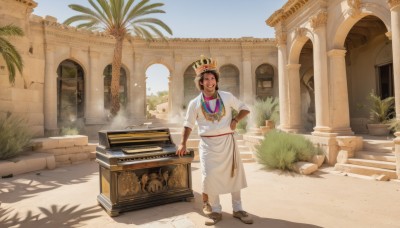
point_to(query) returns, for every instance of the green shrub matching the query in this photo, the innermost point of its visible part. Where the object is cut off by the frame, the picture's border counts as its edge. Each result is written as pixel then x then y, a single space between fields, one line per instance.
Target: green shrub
pixel 69 131
pixel 14 136
pixel 263 110
pixel 280 150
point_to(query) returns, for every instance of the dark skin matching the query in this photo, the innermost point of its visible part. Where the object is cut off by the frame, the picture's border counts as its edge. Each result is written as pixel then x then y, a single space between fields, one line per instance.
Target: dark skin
pixel 209 84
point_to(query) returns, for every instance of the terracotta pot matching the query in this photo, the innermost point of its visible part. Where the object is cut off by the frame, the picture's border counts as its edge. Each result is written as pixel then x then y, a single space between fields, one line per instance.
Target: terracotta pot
pixel 378 129
pixel 270 124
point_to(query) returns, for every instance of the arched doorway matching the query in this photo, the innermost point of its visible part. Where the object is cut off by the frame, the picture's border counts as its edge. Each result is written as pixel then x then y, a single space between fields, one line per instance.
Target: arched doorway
pixel 368 61
pixel 70 93
pixel 229 79
pixel 123 87
pixel 157 92
pixel 307 95
pixel 264 81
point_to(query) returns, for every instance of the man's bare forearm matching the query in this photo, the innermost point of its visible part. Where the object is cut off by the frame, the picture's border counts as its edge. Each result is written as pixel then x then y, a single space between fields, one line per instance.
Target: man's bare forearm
pixel 242 114
pixel 185 135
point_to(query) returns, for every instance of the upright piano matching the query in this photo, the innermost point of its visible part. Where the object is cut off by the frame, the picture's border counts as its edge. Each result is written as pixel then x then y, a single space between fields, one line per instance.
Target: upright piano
pixel 138 169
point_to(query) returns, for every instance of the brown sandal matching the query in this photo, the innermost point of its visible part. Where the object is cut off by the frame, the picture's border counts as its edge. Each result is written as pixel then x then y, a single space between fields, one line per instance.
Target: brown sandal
pixel 243 216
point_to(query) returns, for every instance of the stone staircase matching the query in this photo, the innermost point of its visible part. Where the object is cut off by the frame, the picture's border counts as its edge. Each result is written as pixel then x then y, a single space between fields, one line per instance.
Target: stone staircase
pixel 375 159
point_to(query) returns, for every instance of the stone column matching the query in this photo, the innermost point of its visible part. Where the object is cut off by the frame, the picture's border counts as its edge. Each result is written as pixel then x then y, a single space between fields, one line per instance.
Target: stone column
pixel 138 92
pixel 95 91
pixel 395 20
pixel 283 81
pixel 339 110
pixel 321 83
pixel 50 94
pixel 293 114
pixel 397 153
pixel 176 94
pixel 247 79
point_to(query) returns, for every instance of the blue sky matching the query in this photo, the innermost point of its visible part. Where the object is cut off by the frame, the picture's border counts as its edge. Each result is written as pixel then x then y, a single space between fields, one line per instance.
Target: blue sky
pixel 192 19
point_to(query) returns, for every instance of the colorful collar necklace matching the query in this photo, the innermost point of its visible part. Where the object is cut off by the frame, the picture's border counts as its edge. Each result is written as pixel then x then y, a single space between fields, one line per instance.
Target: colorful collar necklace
pixel 218 112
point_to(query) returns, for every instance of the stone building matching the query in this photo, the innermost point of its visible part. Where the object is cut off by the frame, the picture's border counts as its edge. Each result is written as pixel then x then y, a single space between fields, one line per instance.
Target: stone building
pixel 331 55
pixel 67 71
pixel 326 58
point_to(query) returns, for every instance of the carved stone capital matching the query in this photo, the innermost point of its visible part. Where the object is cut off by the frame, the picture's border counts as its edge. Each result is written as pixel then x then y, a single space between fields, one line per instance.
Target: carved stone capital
pixel 300 33
pixel 281 38
pixel 393 3
pixel 355 7
pixel 319 20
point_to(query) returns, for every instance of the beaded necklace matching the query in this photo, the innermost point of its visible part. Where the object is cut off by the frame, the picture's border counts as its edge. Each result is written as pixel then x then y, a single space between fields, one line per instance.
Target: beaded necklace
pixel 218 112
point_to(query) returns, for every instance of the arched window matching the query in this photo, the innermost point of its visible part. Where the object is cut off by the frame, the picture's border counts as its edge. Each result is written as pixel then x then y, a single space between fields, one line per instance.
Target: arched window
pixel 70 93
pixel 123 89
pixel 229 79
pixel 264 81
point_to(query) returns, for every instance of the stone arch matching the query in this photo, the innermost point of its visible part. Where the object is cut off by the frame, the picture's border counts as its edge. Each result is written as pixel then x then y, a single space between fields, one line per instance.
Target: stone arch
pixel 70 93
pixel 123 83
pixel 344 23
pixel 158 74
pixel 229 79
pixel 302 36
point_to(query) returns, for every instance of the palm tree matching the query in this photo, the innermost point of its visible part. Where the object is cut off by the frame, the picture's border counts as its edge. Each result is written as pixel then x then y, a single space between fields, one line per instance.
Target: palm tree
pixel 119 18
pixel 10 54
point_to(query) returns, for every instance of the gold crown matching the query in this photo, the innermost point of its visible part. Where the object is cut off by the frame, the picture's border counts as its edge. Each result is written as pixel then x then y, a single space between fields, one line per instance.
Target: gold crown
pixel 204 64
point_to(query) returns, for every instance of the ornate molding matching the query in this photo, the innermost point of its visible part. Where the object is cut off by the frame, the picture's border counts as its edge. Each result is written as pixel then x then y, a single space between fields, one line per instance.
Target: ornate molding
pixel 281 38
pixel 355 7
pixel 300 33
pixel 29 3
pixel 291 7
pixel 393 3
pixel 319 20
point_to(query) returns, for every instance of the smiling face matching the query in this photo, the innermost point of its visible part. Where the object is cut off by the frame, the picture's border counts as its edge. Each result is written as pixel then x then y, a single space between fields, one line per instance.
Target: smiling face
pixel 209 83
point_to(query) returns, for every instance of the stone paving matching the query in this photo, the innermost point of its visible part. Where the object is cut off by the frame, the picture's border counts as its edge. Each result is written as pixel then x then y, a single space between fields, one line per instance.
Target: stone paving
pixel 66 197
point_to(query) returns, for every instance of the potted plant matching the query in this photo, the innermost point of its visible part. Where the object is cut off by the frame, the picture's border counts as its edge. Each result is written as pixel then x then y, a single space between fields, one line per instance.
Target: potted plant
pixel 265 114
pixel 380 113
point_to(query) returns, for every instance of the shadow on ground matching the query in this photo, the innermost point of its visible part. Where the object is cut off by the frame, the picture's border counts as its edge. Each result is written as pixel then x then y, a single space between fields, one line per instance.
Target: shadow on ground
pixel 21 187
pixel 53 216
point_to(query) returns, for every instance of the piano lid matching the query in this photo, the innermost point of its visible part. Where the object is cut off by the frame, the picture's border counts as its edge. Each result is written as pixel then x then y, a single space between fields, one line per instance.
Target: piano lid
pixel 123 138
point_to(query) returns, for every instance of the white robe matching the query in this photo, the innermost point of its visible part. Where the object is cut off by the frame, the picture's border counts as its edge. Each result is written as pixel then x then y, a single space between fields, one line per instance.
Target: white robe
pixel 217 153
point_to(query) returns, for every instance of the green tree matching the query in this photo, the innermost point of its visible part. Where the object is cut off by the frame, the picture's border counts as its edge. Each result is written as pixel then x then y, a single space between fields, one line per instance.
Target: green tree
pixel 119 18
pixel 10 55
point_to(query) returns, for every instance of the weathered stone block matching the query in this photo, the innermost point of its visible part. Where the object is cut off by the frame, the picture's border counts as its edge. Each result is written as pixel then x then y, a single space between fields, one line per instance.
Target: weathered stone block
pixel 305 168
pixel 64 141
pixel 44 143
pixel 62 158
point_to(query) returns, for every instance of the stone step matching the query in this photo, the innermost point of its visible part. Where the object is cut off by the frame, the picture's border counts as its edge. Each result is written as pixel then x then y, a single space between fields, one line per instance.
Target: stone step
pixel 364 170
pixel 373 163
pixel 27 162
pixel 378 145
pixel 377 156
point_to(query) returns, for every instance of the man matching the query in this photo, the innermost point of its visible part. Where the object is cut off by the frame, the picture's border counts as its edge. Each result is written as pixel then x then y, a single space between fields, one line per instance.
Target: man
pixel 222 169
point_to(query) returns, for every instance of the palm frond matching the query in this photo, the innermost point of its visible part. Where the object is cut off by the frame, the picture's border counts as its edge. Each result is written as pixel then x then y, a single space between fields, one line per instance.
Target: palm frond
pixel 11 30
pixel 12 59
pixel 90 15
pixel 154 21
pixel 155 30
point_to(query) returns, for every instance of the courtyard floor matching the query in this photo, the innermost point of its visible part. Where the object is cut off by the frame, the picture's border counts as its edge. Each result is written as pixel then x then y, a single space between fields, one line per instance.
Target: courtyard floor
pixel 66 197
